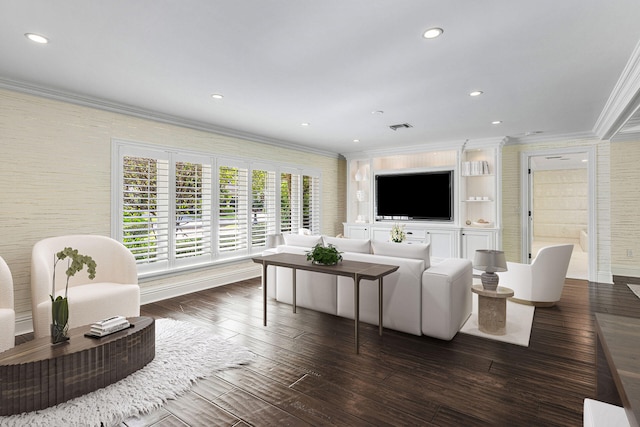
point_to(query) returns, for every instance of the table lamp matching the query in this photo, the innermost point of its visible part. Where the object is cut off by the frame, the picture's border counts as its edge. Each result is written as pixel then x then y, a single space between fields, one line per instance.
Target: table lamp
pixel 490 262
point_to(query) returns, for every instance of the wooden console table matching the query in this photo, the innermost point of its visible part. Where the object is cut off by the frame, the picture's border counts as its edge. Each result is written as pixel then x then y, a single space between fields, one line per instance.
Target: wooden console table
pixel 355 269
pixel 38 374
pixel 618 366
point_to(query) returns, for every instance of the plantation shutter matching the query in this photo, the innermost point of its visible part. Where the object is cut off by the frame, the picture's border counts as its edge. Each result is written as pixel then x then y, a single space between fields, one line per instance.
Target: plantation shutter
pixel 311 203
pixel 233 210
pixel 145 209
pixel 193 219
pixel 263 207
pixel 290 195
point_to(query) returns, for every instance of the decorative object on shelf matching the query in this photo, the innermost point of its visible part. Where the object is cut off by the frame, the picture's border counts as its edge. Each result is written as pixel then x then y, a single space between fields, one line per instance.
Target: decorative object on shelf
pixel 475 168
pixel 360 195
pixel 324 255
pixel 358 176
pixel 491 262
pixel 482 223
pixel 397 233
pixel 60 304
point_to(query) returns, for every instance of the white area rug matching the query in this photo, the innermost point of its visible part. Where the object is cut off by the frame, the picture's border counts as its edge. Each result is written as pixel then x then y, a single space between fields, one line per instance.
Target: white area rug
pixel 635 289
pixel 184 353
pixel 519 321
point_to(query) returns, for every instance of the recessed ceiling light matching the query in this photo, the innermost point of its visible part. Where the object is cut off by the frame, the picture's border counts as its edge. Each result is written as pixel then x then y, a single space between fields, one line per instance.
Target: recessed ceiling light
pixel 305 124
pixel 432 33
pixel 475 93
pixel 496 122
pixel 217 96
pixel 356 140
pixel 37 38
pixel 377 112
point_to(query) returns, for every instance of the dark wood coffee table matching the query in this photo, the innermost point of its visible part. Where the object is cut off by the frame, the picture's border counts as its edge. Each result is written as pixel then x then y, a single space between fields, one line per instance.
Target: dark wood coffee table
pixel 37 374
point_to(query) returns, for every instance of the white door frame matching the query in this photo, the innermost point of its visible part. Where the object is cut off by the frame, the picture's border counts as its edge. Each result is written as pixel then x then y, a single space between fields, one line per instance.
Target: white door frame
pixel 526 197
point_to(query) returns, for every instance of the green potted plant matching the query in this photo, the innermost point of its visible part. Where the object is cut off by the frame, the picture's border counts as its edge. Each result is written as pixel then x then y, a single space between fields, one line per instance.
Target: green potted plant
pixel 324 255
pixel 60 304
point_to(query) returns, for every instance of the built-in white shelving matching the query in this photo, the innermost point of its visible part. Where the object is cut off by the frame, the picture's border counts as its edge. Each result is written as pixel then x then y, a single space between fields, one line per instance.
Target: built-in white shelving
pixel 476 223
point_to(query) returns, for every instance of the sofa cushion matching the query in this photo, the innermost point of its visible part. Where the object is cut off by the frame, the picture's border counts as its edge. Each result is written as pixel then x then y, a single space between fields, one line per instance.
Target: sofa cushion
pixel 402 250
pixel 301 240
pixel 361 246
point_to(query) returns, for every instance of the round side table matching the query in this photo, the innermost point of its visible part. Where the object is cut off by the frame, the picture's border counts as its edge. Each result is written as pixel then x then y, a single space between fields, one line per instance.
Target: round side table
pixel 492 309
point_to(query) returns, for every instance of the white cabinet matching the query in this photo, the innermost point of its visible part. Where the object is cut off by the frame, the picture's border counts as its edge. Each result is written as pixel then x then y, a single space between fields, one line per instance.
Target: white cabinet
pixel 474 239
pixel 444 243
pixel 356 231
pixel 443 240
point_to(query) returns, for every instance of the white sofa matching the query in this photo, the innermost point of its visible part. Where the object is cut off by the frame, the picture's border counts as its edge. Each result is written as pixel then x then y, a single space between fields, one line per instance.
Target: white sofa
pixel 424 296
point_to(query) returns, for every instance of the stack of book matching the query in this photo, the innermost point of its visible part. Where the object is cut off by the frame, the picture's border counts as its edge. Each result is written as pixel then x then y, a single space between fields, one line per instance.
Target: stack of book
pixel 109 326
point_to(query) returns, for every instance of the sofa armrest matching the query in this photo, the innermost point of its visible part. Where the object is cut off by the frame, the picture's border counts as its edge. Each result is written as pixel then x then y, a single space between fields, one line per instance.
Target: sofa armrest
pixel 446 297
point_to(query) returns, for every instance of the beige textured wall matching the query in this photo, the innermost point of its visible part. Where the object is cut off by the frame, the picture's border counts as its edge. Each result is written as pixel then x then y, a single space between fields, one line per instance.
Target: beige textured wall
pixel 56 178
pixel 625 208
pixel 511 220
pixel 560 204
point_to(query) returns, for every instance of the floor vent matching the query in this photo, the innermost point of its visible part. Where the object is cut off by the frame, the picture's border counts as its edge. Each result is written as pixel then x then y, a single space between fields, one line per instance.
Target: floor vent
pixel 400 126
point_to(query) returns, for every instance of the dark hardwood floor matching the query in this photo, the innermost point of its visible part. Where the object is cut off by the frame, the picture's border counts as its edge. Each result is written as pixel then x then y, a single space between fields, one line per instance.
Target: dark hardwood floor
pixel 307 373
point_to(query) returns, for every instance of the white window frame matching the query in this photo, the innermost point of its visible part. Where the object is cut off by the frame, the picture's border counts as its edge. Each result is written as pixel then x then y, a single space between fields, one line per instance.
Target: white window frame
pixel 171 155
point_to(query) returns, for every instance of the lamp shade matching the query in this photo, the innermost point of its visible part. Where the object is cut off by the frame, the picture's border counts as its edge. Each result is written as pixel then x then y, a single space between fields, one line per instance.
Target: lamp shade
pixel 490 261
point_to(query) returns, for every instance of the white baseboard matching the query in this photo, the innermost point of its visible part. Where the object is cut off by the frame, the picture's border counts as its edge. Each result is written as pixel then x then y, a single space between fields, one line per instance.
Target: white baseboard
pixel 625 271
pixel 159 293
pixel 24 324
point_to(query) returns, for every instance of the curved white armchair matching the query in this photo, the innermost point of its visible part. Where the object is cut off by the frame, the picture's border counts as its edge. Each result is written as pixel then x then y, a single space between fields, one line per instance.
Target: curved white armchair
pixel 7 313
pixel 539 283
pixel 114 290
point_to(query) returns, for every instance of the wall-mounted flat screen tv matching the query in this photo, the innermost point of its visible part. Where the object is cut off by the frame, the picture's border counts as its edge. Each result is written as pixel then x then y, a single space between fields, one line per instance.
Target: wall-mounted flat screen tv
pixel 417 196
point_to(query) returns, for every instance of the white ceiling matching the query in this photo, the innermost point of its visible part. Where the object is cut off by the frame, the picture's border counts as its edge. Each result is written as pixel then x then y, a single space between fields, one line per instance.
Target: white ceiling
pixel 546 66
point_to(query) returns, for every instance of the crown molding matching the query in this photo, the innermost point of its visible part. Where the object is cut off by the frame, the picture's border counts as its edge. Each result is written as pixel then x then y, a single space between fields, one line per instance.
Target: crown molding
pixel 623 101
pixel 548 138
pixel 432 146
pixel 113 107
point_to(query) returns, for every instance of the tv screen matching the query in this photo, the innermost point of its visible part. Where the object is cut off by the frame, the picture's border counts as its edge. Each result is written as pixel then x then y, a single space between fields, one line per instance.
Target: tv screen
pixel 420 196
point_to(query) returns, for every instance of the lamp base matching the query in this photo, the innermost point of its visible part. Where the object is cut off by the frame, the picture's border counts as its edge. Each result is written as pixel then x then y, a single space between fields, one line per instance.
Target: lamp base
pixel 489 281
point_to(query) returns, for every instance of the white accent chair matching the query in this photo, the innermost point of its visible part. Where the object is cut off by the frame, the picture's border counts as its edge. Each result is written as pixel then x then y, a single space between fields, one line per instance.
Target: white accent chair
pixel 114 290
pixel 541 282
pixel 7 313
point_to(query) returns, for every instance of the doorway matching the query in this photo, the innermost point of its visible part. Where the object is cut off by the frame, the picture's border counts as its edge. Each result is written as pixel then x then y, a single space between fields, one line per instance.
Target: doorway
pixel 557 201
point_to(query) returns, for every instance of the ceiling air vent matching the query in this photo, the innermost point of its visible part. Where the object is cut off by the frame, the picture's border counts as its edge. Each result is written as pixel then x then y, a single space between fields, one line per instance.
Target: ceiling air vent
pixel 400 126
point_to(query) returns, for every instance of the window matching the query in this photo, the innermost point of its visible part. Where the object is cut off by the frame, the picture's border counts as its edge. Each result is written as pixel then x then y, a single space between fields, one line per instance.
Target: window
pixel 233 210
pixel 175 210
pixel 299 202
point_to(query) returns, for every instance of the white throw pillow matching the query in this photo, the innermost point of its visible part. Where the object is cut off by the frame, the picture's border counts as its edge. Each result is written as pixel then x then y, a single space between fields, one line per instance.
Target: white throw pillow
pixel 361 246
pixel 301 240
pixel 403 250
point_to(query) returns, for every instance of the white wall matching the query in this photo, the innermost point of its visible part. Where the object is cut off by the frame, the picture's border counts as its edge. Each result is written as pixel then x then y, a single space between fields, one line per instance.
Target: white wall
pixel 560 204
pixel 55 179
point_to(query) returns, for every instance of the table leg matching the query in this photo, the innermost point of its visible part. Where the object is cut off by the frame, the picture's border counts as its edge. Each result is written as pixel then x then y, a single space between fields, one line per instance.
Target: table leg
pixel 264 293
pixel 380 306
pixel 356 308
pixel 294 290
